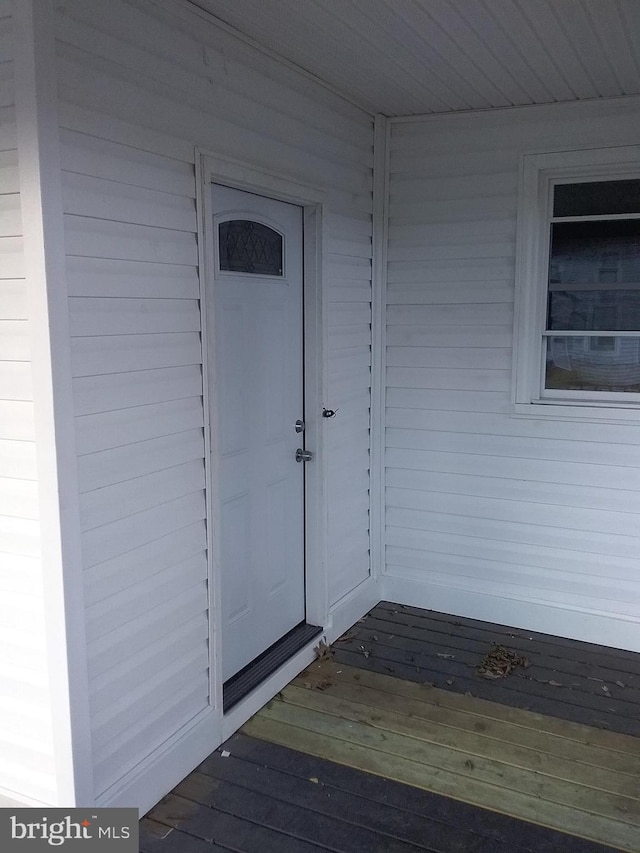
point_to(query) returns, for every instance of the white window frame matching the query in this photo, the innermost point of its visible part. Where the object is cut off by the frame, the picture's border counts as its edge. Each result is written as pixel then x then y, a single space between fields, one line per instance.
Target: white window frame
pixel 539 173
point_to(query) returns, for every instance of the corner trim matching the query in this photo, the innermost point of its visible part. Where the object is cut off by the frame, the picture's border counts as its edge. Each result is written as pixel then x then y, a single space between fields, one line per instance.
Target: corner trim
pixel 381 149
pixel 146 784
pixel 45 272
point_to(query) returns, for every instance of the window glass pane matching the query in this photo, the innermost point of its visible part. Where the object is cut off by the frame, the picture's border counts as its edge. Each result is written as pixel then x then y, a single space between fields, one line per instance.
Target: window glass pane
pixel 249 247
pixel 593 363
pixel 594 276
pixel 596 198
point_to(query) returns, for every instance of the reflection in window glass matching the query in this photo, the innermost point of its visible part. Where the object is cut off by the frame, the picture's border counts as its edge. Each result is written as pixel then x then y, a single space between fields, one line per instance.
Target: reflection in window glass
pixel 249 247
pixel 589 363
pixel 594 287
pixel 594 276
pixel 597 198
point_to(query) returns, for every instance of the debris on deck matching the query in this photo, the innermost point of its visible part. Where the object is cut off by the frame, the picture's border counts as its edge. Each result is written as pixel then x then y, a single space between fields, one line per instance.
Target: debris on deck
pixel 499 662
pixel 323 651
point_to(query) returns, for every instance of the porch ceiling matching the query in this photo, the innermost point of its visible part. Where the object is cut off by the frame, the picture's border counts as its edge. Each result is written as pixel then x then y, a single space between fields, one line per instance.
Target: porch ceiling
pixel 406 57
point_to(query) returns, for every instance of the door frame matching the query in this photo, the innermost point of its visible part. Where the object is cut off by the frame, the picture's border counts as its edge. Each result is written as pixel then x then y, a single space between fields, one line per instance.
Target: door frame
pixel 211 169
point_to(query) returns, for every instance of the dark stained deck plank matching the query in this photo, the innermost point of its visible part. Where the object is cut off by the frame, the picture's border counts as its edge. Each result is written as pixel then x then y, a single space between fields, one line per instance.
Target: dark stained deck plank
pixel 453 659
pixel 304 822
pixel 565 679
pixel 622 659
pixel 351 808
pixel 355 809
pixel 425 819
pixel 519 694
pixel 269 798
pixel 475 639
pixel 455 674
pixel 218 827
pixel 377 743
pixel 154 840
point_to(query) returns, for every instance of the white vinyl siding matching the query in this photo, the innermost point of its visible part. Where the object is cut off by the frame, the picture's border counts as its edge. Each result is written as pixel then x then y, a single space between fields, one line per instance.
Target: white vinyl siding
pixel 128 131
pixel 349 378
pixel 507 518
pixel 27 766
pixel 137 381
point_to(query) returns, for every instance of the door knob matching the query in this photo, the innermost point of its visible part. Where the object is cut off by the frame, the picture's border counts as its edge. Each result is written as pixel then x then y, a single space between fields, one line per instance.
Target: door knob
pixel 303 455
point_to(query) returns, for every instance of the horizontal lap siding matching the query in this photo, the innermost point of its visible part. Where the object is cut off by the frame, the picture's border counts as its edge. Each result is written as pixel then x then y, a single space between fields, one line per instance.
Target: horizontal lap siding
pixel 138 92
pixel 137 381
pixel 27 766
pixel 349 380
pixel 479 501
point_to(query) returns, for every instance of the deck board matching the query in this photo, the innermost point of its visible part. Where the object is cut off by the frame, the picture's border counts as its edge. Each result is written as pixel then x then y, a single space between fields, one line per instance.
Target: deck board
pixel 451 625
pixel 446 824
pixel 518 736
pixel 160 838
pixel 342 803
pixel 259 781
pixel 575 681
pixel 587 675
pixel 396 744
pixel 296 817
pixel 322 712
pixel 216 826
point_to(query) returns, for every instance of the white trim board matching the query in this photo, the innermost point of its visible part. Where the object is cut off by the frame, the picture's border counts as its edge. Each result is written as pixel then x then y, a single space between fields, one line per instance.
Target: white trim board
pixel 585 105
pixel 353 606
pixel 213 169
pixel 163 770
pixel 377 511
pixel 615 631
pixel 45 267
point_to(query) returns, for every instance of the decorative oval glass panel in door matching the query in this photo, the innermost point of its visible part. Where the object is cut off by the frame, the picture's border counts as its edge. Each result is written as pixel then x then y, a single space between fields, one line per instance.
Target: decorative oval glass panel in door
pixel 249 247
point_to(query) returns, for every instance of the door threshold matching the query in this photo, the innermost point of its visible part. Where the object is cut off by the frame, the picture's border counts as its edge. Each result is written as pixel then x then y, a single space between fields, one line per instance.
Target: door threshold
pixel 254 673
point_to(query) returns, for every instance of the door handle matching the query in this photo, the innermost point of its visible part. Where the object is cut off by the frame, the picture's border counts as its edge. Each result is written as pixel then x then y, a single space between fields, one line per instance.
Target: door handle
pixel 303 455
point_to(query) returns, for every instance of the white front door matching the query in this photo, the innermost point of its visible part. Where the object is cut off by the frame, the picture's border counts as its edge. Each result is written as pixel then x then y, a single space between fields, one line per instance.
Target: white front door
pixel 256 399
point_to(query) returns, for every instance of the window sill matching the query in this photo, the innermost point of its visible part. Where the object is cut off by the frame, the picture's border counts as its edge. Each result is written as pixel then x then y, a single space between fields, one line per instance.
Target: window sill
pixel 603 412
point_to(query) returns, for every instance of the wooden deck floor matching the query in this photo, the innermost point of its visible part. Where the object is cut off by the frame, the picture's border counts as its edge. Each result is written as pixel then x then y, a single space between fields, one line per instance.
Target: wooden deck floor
pixel 573 681
pixel 559 774
pixel 361 753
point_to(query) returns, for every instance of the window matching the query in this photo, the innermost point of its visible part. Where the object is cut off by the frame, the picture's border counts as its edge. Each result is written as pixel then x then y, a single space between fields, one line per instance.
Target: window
pixel 578 281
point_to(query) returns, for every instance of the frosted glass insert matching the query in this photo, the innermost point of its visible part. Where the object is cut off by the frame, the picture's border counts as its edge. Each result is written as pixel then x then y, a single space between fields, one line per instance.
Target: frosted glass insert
pixel 249 247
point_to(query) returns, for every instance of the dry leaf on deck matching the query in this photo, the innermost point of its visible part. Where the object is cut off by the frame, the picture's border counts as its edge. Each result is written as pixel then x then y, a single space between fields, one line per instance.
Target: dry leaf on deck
pixel 323 651
pixel 499 662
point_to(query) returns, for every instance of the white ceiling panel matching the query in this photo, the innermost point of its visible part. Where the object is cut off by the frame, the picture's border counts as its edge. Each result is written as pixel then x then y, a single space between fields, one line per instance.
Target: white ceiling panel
pixel 407 57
